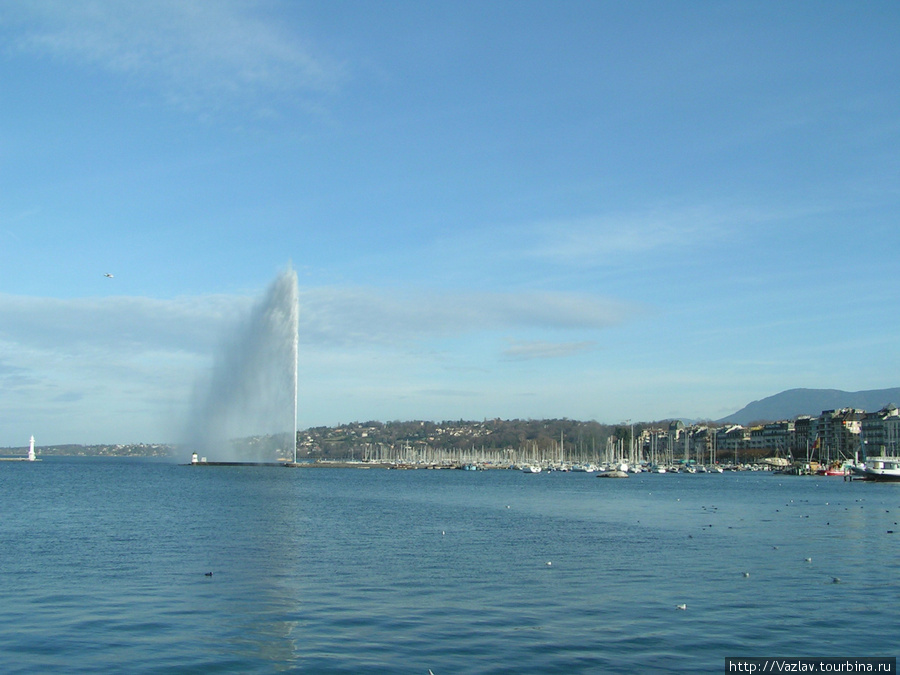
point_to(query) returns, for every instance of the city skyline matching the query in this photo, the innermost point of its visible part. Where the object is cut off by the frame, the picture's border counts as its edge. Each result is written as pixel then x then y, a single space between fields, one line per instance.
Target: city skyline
pixel 590 210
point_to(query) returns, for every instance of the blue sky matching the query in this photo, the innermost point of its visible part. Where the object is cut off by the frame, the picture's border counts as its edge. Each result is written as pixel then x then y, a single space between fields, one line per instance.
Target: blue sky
pixel 594 210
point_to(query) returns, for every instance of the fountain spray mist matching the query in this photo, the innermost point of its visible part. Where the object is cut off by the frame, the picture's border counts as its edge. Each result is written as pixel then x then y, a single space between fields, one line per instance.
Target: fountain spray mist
pixel 247 411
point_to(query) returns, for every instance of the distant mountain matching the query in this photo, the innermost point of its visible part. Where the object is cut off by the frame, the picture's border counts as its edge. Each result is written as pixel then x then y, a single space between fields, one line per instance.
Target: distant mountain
pixel 793 402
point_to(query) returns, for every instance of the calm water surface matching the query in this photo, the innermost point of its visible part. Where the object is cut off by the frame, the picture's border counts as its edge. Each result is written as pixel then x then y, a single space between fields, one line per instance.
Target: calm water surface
pixel 104 568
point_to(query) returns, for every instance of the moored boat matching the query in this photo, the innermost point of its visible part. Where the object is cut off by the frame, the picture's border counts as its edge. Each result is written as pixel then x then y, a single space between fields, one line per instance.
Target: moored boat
pixel 882 468
pixel 836 469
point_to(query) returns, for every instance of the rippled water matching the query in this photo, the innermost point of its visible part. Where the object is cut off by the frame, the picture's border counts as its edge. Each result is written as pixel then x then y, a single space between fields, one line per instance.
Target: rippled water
pixel 104 567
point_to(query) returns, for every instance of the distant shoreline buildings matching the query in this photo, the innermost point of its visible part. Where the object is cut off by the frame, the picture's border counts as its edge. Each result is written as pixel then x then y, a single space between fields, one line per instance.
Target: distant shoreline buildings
pixel 834 435
pixel 843 434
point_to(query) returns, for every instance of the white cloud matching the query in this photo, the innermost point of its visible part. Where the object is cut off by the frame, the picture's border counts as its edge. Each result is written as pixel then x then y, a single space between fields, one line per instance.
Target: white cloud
pixel 104 369
pixel 605 238
pixel 540 349
pixel 117 325
pixel 192 51
pixel 668 230
pixel 126 326
pixel 345 316
pixel 118 369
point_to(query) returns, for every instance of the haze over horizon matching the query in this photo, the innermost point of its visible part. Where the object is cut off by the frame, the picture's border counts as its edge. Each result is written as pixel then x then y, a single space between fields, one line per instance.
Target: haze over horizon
pixel 593 210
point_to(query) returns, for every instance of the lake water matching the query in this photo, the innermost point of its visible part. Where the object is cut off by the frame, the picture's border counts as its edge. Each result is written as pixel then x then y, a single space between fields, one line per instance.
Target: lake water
pixel 104 568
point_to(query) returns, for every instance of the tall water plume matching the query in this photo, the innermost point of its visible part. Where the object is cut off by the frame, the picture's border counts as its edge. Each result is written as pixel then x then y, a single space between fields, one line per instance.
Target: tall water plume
pixel 247 410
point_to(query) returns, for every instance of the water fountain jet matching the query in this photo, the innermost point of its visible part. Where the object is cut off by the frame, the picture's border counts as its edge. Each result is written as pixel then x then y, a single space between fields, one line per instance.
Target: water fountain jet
pixel 247 411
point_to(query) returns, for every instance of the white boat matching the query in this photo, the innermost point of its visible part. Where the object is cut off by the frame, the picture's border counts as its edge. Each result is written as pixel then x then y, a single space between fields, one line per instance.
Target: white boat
pixel 882 468
pixel 531 468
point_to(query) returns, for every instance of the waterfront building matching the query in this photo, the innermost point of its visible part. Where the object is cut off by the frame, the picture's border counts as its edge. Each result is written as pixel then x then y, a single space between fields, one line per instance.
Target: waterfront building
pixel 654 445
pixel 755 440
pixel 774 438
pixel 880 432
pixel 676 434
pixel 804 436
pixel 730 440
pixel 701 443
pixel 838 432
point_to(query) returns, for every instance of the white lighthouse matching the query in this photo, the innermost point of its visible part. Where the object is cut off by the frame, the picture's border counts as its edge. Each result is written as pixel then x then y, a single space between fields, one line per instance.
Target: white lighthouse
pixel 31 450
